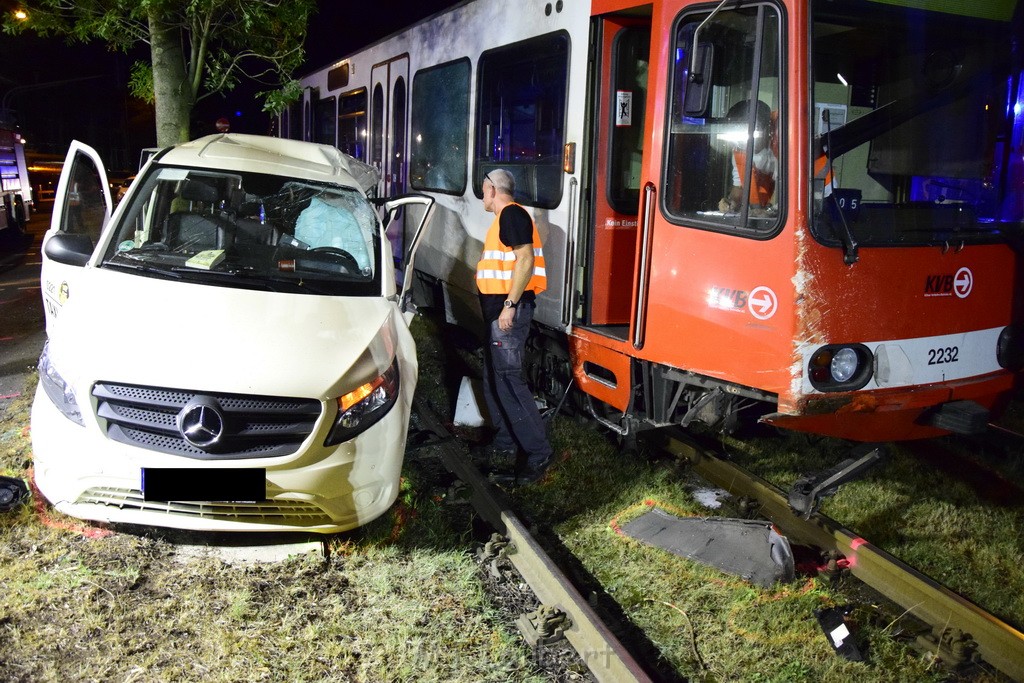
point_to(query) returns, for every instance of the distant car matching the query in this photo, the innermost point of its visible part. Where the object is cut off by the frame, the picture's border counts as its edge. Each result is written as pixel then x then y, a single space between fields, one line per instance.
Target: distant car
pixel 227 351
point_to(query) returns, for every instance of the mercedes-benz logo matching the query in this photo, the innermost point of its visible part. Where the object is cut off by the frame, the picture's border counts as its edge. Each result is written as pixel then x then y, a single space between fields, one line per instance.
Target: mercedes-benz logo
pixel 201 423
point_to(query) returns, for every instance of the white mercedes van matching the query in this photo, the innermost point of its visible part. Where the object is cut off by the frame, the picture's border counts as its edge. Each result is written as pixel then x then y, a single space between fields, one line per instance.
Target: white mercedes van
pixel 228 350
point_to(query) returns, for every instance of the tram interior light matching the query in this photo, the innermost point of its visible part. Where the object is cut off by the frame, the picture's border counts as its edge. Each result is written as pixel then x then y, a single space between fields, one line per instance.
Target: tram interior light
pixel 737 137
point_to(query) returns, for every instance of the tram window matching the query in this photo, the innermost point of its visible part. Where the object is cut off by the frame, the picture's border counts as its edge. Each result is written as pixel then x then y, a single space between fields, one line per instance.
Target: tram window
pixel 922 102
pixel 294 131
pixel 521 109
pixel 397 151
pixel 632 47
pixel 377 134
pixel 352 123
pixel 723 169
pixel 440 128
pixel 324 122
pixel 307 122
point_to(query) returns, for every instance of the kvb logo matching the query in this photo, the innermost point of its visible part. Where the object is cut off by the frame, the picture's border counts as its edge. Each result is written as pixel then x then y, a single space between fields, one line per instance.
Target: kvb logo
pixel 960 284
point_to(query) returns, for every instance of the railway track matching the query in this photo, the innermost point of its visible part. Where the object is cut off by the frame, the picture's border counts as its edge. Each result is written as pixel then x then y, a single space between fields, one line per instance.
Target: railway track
pixel 563 608
pixel 961 631
pixel 949 615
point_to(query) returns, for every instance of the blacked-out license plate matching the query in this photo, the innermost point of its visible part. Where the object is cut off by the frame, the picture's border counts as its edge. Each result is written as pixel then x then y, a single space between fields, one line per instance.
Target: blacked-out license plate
pixel 194 484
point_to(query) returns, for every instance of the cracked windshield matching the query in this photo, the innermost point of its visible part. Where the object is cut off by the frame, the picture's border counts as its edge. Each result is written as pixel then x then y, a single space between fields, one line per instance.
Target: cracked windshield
pixel 249 230
pixel 913 121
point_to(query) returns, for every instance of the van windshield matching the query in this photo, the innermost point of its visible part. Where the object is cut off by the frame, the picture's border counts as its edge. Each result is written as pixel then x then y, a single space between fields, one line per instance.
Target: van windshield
pixel 249 230
pixel 918 121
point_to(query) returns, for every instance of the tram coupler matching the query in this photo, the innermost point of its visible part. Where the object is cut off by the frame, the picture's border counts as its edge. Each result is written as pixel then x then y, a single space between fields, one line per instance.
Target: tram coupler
pixel 806 493
pixel 966 418
pixel 544 625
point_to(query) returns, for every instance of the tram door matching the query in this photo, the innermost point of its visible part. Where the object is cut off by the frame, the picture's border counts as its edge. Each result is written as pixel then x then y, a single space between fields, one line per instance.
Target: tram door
pixel 623 48
pixel 389 147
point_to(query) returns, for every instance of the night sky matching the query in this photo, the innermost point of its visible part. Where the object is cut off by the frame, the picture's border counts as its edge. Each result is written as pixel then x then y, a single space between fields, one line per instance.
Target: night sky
pixel 80 91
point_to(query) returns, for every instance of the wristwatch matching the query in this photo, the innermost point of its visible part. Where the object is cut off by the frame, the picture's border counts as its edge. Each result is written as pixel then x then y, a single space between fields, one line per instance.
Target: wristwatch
pixel 510 304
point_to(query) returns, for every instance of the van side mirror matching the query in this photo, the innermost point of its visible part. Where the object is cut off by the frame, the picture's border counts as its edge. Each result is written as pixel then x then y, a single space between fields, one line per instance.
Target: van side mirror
pixel 69 249
pixel 699 80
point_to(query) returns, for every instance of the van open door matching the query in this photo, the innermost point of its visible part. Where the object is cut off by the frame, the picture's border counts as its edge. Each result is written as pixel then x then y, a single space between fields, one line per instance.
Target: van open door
pixel 391 207
pixel 81 209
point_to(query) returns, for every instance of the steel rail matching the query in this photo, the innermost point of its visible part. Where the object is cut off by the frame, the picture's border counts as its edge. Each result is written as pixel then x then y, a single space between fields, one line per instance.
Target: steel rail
pixel 999 644
pixel 600 649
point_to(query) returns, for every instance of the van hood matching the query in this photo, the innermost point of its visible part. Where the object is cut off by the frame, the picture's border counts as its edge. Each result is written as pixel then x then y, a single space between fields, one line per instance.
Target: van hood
pixel 162 333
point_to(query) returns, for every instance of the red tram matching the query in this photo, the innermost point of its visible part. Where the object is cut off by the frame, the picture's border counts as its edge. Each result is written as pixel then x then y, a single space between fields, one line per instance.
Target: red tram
pixel 815 208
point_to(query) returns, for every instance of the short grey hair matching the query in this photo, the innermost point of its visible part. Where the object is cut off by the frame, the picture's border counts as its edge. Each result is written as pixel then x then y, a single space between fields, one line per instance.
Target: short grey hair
pixel 502 180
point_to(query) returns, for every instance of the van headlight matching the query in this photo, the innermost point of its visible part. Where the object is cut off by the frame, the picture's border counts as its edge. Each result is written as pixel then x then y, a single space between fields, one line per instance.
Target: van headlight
pixel 840 367
pixel 59 391
pixel 363 407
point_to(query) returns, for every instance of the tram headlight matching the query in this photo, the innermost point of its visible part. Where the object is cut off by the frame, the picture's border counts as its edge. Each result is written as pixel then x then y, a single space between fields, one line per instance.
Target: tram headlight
pixel 844 365
pixel 840 367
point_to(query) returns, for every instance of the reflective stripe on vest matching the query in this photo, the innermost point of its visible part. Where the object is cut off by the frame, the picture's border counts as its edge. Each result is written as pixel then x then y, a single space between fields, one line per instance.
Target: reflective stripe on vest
pixel 497 264
pixel 762 185
pixel 823 171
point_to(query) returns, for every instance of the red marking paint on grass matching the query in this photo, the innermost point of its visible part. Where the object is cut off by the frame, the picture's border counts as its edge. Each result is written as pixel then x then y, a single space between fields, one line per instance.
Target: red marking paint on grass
pixel 14 395
pixel 46 519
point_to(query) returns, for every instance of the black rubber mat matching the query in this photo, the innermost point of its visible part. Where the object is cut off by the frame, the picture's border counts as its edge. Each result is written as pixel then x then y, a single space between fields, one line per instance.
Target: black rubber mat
pixel 752 550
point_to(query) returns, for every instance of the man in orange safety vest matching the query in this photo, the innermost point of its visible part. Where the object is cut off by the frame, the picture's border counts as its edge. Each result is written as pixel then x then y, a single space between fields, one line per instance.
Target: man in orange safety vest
pixel 510 274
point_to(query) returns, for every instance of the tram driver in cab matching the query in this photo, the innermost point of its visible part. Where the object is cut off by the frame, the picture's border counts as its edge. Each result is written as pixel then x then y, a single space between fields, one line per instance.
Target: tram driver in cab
pixel 765 163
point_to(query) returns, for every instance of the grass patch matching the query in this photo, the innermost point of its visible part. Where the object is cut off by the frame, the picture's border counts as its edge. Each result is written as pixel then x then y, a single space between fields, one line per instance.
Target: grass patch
pixel 707 625
pixel 703 624
pixel 401 599
pixel 931 520
pixel 398 600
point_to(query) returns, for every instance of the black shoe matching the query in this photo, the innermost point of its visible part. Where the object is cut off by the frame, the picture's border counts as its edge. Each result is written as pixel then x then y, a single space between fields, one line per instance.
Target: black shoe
pixel 492 459
pixel 531 475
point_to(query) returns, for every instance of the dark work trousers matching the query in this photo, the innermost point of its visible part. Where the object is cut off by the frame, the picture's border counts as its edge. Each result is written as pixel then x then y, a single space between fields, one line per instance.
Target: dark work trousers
pixel 509 399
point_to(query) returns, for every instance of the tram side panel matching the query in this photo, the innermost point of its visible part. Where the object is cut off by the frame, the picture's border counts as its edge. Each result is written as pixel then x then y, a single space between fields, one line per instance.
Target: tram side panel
pixel 494 55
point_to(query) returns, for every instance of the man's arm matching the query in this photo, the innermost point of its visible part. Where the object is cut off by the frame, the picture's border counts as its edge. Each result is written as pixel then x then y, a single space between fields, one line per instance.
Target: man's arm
pixel 522 272
pixel 521 275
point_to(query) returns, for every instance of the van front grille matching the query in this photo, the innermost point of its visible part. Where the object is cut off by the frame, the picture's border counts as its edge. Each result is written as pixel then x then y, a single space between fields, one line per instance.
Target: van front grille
pixel 226 426
pixel 271 512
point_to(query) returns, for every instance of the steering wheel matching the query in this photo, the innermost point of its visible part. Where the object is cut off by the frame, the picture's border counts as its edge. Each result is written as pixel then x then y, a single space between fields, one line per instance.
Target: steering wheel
pixel 345 259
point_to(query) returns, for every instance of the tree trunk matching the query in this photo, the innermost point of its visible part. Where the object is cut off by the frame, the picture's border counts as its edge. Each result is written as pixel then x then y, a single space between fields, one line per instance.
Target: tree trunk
pixel 171 87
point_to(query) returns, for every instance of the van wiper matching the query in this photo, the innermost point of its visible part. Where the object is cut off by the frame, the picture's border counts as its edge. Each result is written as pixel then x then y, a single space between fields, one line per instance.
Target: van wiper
pixel 239 277
pixel 140 266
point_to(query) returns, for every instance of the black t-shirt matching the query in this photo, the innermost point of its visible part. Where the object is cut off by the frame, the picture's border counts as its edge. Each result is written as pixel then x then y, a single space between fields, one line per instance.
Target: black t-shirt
pixel 515 228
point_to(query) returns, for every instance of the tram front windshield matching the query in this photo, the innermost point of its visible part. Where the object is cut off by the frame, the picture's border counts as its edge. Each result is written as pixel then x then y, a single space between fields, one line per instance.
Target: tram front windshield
pixel 918 122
